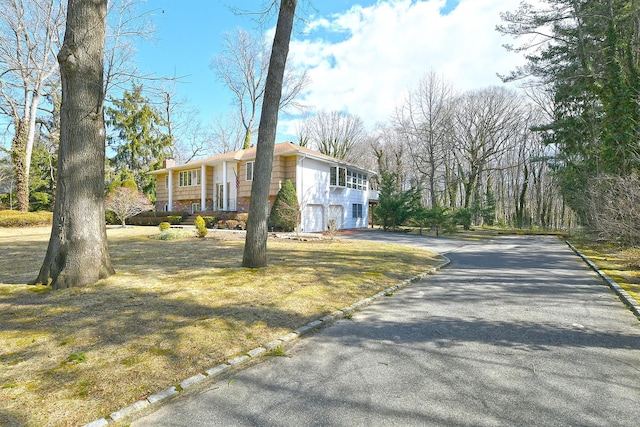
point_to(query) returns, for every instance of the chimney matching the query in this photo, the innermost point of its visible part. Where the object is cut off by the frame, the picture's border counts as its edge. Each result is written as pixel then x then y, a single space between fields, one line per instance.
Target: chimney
pixel 168 163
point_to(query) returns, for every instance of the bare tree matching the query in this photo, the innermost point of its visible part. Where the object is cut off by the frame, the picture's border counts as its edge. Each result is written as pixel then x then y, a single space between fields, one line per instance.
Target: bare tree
pixel 30 36
pixel 243 66
pixel 390 151
pixel 77 253
pixel 334 133
pixel 485 122
pixel 614 207
pixel 189 137
pixel 125 25
pixel 226 135
pixel 126 202
pixel 30 33
pixel 424 119
pixel 255 248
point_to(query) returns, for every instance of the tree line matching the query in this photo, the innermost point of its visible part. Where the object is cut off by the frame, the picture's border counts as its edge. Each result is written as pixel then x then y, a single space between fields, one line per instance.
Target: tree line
pixel 476 153
pixel 563 151
pixel 583 61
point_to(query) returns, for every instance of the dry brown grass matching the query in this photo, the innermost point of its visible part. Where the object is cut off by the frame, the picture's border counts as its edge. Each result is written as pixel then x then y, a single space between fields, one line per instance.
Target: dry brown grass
pixel 621 264
pixel 174 309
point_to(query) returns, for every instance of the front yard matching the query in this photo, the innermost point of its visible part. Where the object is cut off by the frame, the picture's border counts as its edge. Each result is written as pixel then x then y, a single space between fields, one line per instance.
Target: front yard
pixel 174 309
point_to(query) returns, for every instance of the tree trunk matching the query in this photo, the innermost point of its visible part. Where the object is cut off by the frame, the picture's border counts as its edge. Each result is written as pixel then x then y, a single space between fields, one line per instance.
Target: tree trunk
pixel 77 254
pixel 18 158
pixel 255 249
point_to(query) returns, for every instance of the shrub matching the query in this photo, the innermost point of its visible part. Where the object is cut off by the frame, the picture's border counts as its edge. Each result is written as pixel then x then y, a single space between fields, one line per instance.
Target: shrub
pixel 210 221
pixel 10 218
pixel 285 213
pixel 39 201
pixel 126 202
pixel 111 218
pixel 155 218
pixel 396 206
pixel 164 225
pixel 463 216
pixel 172 234
pixel 174 219
pixel 201 229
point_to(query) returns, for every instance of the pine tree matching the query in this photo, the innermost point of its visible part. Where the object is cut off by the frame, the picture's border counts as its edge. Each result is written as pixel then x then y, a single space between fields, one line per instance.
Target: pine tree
pixel 139 141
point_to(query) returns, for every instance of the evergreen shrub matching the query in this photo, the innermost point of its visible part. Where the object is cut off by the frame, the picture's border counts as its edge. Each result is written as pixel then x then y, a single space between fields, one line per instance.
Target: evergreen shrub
pixel 285 213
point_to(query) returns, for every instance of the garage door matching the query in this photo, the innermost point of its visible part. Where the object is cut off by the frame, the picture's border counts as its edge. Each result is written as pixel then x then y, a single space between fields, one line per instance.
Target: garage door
pixel 312 218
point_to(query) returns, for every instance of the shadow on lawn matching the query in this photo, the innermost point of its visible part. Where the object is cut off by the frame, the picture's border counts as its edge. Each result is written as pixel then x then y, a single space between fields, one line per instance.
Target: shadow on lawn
pixel 162 323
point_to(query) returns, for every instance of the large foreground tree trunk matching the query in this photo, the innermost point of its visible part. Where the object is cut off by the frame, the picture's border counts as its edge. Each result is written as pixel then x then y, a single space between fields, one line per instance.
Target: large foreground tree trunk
pixel 255 249
pixel 77 254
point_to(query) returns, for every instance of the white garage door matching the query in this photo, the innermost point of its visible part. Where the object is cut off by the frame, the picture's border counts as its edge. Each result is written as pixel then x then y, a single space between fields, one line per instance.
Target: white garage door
pixel 312 218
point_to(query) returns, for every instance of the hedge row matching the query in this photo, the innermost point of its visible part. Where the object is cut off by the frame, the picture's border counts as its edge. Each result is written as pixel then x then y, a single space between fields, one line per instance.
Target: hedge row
pixel 155 218
pixel 9 218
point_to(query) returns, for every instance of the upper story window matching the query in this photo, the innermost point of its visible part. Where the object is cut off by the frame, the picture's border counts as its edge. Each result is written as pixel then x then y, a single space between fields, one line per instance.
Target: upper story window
pixel 249 171
pixel 189 178
pixel 338 176
pixel 356 180
pixel 343 177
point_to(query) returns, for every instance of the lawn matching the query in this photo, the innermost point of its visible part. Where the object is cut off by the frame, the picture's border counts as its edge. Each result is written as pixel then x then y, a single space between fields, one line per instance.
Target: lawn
pixel 174 309
pixel 622 264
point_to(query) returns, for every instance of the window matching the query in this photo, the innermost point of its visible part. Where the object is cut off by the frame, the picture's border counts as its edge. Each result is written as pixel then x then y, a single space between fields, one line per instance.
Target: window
pixel 342 177
pixel 337 176
pixel 249 171
pixel 189 178
pixel 356 211
pixel 356 180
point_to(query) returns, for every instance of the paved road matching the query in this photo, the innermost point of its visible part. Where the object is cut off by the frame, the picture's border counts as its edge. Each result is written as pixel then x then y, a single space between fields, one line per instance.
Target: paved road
pixel 517 331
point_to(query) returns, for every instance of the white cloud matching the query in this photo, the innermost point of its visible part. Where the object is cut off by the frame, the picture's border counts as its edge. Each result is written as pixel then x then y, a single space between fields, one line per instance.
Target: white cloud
pixel 381 51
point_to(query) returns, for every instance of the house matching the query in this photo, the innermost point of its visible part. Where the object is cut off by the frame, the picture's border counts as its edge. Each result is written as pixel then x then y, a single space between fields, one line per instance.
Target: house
pixel 330 191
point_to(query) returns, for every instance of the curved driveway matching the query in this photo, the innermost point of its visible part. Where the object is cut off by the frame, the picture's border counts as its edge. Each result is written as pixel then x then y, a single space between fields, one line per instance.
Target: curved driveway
pixel 516 331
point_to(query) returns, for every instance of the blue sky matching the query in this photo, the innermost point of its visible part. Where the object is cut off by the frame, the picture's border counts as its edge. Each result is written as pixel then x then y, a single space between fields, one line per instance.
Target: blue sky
pixel 362 55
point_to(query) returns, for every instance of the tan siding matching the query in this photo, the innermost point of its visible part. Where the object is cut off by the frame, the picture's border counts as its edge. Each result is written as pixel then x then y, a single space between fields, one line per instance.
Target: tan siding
pixel 162 192
pixel 210 184
pixel 283 168
pixel 244 190
pixel 290 169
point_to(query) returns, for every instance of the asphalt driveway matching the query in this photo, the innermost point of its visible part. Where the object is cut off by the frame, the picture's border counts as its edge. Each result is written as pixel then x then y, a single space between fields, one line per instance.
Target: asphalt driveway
pixel 516 331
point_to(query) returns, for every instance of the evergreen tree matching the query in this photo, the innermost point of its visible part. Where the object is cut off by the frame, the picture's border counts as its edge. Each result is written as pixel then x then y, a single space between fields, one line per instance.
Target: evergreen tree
pixel 395 206
pixel 591 65
pixel 285 212
pixel 489 210
pixel 139 142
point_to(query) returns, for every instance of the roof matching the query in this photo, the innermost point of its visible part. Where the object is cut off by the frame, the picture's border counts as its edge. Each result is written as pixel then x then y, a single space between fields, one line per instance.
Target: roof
pixel 279 149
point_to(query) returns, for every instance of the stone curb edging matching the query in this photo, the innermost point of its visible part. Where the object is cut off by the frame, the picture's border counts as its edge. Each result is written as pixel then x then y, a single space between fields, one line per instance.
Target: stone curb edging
pixel 627 299
pixel 219 370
